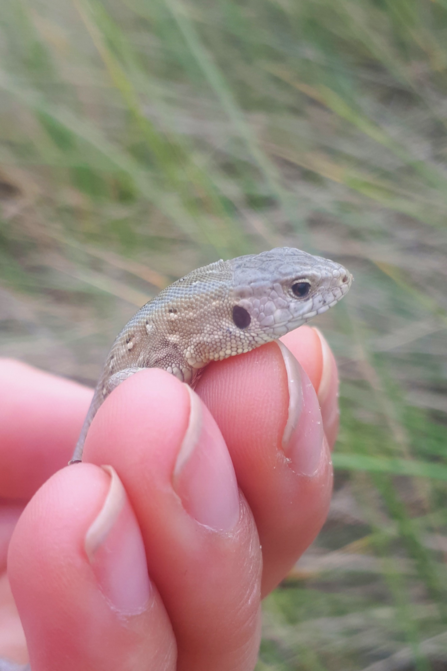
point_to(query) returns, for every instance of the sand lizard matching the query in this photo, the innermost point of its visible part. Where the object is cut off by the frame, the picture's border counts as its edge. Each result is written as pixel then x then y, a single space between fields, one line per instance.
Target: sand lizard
pixel 220 310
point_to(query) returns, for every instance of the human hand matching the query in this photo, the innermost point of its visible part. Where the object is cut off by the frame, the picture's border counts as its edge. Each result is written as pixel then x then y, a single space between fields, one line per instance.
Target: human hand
pixel 161 563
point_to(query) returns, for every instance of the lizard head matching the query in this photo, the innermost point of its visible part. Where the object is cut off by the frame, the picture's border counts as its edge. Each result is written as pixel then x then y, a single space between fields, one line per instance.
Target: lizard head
pixel 277 291
pixel 231 307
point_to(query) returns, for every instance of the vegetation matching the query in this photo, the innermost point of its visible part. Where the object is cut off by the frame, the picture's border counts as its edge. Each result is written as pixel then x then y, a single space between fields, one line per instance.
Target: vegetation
pixel 141 139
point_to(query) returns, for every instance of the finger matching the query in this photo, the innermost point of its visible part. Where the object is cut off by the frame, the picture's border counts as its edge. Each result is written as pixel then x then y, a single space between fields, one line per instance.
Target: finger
pixel 268 412
pixel 201 543
pixel 310 348
pixel 79 576
pixel 40 419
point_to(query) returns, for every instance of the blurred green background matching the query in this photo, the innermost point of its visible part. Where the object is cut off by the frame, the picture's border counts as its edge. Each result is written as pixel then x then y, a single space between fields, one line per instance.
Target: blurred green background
pixel 142 138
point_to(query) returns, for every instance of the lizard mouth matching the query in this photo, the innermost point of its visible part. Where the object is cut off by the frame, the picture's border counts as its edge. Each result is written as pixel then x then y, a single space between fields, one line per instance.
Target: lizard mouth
pixel 336 294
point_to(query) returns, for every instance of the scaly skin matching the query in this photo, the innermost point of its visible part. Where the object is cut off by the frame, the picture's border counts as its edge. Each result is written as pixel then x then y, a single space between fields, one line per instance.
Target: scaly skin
pixel 218 311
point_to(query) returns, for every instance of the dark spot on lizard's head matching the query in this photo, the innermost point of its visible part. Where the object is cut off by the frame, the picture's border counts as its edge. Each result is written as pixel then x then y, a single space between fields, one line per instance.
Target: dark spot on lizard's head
pixel 129 338
pixel 345 279
pixel 241 317
pixel 172 311
pixel 301 288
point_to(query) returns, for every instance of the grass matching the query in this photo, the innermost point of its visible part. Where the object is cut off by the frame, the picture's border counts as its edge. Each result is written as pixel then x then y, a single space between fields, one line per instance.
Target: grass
pixel 141 139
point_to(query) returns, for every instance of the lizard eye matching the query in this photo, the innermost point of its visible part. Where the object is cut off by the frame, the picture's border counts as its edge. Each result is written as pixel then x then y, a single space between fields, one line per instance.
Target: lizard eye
pixel 241 317
pixel 301 288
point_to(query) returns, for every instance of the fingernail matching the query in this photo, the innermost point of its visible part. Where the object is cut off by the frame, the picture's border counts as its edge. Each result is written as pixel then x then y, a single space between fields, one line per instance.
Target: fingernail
pixel 204 477
pixel 115 550
pixel 328 390
pixel 303 434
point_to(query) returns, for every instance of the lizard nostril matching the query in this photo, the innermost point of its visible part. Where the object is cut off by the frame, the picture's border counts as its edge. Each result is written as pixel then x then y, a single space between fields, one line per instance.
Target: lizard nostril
pixel 345 279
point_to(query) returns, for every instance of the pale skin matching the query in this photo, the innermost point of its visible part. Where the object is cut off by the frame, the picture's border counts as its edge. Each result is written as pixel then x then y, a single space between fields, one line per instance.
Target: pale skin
pixel 200 547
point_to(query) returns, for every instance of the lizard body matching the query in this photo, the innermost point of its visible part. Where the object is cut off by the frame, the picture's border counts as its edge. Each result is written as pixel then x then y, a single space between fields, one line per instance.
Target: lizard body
pixel 220 310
